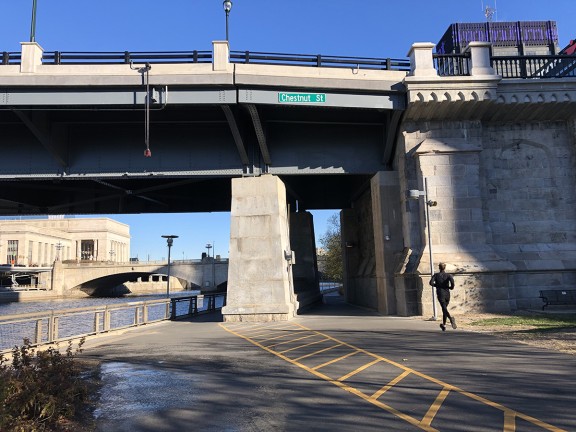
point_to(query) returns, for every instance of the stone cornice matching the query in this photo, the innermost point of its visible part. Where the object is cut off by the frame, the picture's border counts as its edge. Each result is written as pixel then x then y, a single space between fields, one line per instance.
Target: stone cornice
pixel 451 89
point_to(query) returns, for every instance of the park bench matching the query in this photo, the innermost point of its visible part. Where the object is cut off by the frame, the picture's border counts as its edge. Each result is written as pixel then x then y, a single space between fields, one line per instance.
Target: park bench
pixel 558 297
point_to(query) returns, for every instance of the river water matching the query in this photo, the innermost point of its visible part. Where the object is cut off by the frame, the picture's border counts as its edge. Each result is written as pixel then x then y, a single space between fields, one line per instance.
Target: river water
pixel 14 331
pixel 59 304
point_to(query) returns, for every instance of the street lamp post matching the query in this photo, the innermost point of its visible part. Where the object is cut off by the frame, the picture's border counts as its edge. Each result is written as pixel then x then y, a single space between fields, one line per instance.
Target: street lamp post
pixel 208 247
pixel 112 253
pixel 59 247
pixel 416 194
pixel 33 23
pixel 169 241
pixel 227 4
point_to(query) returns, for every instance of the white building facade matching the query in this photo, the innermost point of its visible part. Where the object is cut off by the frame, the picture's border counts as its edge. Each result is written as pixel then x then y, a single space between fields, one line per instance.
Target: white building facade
pixel 40 242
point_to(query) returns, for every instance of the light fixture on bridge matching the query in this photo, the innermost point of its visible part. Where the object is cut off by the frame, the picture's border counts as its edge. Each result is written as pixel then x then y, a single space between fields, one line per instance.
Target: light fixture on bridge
pixel 33 23
pixel 416 194
pixel 169 241
pixel 112 253
pixel 227 4
pixel 208 247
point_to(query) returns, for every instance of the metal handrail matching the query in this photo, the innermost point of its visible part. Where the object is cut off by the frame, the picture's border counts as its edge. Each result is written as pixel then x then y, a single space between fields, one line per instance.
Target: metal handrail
pixel 452 64
pixel 126 57
pixel 46 326
pixel 11 58
pixel 511 67
pixel 319 60
pixel 548 66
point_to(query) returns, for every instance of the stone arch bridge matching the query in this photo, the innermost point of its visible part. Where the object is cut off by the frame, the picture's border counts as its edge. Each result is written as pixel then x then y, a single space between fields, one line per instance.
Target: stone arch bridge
pixel 102 277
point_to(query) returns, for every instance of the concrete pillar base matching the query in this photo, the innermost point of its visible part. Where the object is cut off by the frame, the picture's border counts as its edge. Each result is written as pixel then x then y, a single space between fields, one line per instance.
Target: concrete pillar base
pixel 260 284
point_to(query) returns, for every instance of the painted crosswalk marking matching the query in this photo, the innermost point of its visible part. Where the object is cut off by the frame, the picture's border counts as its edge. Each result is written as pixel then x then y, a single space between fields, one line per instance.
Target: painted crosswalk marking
pixel 288 338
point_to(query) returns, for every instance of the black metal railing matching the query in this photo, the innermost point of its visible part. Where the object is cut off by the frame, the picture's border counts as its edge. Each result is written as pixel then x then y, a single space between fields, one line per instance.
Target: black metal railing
pixel 11 57
pixel 545 66
pixel 452 64
pixel 319 61
pixel 549 66
pixel 126 57
pixel 182 307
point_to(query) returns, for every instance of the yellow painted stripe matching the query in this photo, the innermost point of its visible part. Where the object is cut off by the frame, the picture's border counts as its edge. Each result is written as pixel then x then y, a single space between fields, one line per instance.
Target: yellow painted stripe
pixel 360 369
pixel 280 336
pixel 388 408
pixel 435 407
pixel 305 345
pixel 485 401
pixel 391 384
pixel 318 352
pixel 335 360
pixel 509 421
pixel 292 340
pixel 352 390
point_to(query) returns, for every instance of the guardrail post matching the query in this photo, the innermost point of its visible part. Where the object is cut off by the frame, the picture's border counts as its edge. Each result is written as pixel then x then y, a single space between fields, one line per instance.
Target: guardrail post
pixel 145 313
pixel 136 315
pixel 167 311
pixel 96 322
pixel 421 60
pixel 106 319
pixel 38 338
pixel 480 58
pixel 52 328
pixel 5 58
pixel 173 312
pixel 220 55
pixel 31 57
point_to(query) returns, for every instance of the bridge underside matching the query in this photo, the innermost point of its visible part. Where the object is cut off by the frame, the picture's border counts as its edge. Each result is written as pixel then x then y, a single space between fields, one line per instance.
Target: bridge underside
pixel 90 160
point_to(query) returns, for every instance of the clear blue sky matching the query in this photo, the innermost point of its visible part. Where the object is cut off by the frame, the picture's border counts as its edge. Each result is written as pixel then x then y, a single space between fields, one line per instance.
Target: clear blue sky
pixel 331 27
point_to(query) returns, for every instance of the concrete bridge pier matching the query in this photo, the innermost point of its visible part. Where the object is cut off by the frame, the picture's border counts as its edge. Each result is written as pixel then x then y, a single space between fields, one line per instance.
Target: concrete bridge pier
pixel 260 283
pixel 372 246
pixel 305 264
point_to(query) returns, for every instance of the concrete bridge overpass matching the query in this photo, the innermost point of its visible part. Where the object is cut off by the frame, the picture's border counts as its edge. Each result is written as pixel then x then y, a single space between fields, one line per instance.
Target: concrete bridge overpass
pixel 101 278
pixel 263 140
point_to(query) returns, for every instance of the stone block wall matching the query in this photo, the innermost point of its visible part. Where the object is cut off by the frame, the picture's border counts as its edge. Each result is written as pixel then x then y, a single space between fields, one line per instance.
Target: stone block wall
pixel 505 222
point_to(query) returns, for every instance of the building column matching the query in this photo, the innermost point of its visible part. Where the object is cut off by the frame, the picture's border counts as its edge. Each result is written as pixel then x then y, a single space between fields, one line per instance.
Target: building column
pixel 260 285
pixel 305 265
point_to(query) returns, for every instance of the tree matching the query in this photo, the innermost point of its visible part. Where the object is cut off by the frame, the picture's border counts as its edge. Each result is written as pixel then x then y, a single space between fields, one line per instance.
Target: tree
pixel 331 242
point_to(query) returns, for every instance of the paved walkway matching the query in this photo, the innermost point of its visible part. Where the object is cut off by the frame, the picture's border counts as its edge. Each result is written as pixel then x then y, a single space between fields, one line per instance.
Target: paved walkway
pixel 336 368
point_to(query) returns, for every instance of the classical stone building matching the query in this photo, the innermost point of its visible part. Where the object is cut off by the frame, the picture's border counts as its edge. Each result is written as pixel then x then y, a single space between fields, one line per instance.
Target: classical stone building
pixel 39 242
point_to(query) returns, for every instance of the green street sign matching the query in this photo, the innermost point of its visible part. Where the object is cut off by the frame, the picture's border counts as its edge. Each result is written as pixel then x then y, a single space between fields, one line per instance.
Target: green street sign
pixel 301 97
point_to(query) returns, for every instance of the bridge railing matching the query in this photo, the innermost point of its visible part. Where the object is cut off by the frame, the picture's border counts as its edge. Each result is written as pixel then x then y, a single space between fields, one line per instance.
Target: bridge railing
pixel 550 66
pixel 11 58
pixel 248 57
pixel 126 57
pixel 319 60
pixel 59 325
pixel 452 64
pixel 512 67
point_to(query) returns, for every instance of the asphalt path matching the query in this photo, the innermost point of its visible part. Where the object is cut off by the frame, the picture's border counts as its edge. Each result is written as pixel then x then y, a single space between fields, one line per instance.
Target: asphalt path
pixel 335 368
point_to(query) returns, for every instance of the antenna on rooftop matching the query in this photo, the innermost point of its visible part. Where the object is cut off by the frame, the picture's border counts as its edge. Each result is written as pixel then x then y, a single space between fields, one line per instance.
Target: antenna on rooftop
pixel 489 11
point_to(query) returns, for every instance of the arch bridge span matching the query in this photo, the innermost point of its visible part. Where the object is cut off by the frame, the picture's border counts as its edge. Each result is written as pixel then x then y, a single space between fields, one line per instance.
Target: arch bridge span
pixel 101 278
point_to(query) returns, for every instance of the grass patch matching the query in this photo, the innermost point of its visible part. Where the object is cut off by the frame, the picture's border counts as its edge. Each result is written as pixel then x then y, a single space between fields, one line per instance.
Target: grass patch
pixel 541 322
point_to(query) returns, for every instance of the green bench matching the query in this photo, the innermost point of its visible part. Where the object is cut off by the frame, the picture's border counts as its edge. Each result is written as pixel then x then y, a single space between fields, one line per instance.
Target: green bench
pixel 558 297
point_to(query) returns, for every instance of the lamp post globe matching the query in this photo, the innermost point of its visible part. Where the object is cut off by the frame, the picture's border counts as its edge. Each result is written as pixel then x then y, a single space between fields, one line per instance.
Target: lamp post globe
pixel 227 4
pixel 169 241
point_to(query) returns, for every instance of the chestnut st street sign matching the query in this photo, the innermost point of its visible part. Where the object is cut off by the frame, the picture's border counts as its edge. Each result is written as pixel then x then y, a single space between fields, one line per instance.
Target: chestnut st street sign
pixel 301 97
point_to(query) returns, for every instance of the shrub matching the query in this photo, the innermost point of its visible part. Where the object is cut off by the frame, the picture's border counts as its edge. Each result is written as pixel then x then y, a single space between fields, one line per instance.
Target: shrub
pixel 40 390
